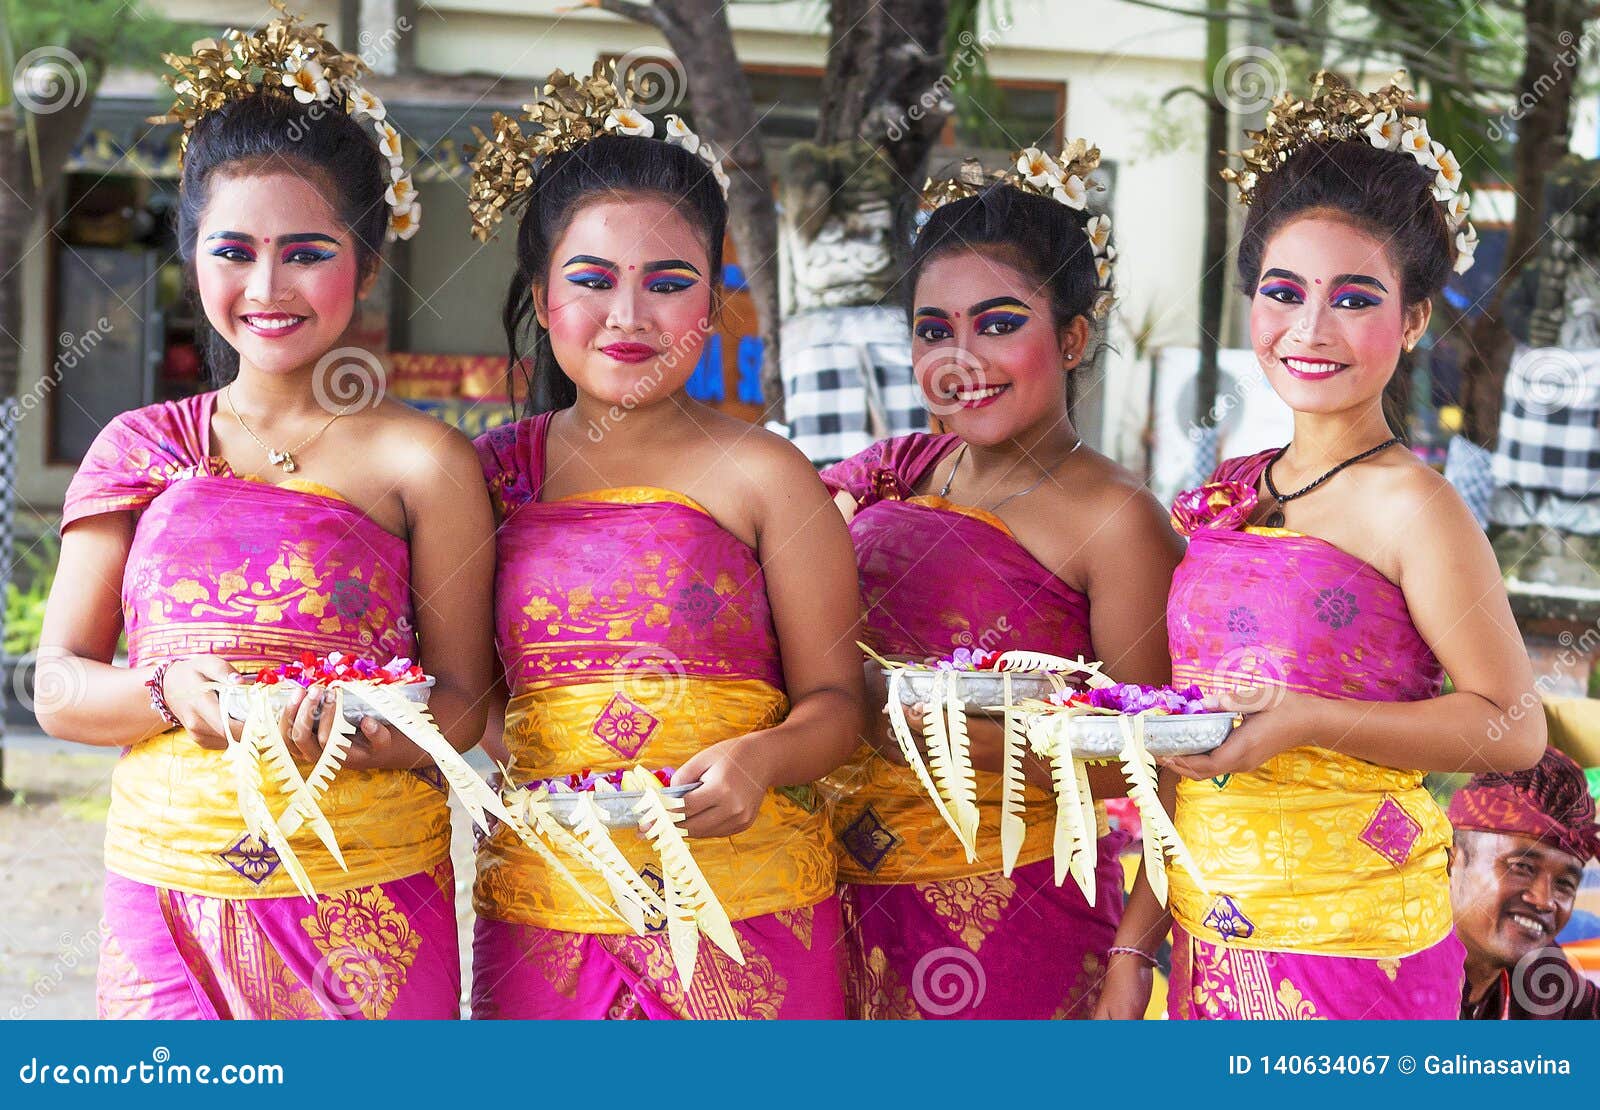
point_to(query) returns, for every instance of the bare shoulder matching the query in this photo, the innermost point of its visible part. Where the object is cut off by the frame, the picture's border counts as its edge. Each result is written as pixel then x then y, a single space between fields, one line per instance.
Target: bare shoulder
pixel 1122 508
pixel 420 448
pixel 761 460
pixel 1418 516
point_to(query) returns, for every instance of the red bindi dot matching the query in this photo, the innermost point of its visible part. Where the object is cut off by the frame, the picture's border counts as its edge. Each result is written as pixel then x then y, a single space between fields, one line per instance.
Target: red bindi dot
pixel 268 239
pixel 958 316
pixel 1319 281
pixel 632 267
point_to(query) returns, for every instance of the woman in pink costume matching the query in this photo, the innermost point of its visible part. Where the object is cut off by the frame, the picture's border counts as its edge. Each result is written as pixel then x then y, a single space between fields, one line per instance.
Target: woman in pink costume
pixel 674 590
pixel 1328 588
pixel 1005 533
pixel 184 529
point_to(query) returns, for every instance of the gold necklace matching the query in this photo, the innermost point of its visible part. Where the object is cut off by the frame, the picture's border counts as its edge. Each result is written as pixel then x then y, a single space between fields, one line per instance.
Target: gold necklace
pixel 283 460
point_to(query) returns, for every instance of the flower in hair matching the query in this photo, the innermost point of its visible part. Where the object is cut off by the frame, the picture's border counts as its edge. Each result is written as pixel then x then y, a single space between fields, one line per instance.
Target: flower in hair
pixel 1063 179
pixel 1336 112
pixel 570 112
pixel 287 57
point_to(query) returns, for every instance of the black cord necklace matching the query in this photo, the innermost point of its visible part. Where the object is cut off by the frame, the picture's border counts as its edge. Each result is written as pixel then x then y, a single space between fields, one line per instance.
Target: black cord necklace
pixel 1275 517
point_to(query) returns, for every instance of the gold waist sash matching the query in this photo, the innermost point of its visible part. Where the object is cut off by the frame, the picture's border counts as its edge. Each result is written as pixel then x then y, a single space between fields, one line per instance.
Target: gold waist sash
pixel 174 822
pixel 1315 852
pixel 781 862
pixel 886 830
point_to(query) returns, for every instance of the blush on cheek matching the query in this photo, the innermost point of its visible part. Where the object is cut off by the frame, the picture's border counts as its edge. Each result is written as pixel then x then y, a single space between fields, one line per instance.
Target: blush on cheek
pixel 217 296
pixel 572 322
pixel 330 288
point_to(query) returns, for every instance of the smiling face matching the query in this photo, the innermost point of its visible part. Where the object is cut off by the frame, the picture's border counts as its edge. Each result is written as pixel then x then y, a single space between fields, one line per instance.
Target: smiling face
pixel 1512 894
pixel 986 352
pixel 1327 319
pixel 628 299
pixel 277 270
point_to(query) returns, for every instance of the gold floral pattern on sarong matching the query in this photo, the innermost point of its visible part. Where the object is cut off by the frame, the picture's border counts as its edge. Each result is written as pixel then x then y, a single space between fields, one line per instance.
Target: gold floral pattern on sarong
pixel 559 956
pixel 1084 994
pixel 233 961
pixel 874 992
pixel 1390 966
pixel 722 989
pixel 969 907
pixel 799 922
pixel 1242 983
pixel 366 943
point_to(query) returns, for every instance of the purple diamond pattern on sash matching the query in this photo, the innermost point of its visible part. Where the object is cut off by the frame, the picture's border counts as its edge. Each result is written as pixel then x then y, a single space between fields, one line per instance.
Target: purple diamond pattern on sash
pixel 868 840
pixel 251 858
pixel 1392 832
pixel 1228 919
pixel 625 726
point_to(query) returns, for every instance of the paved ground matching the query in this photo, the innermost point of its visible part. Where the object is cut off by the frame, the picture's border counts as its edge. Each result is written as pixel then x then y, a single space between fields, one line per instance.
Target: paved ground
pixel 50 875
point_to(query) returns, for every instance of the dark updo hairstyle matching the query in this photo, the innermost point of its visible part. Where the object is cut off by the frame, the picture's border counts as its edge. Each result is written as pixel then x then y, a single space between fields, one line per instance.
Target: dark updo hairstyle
pixel 603 168
pixel 1385 193
pixel 1038 235
pixel 272 133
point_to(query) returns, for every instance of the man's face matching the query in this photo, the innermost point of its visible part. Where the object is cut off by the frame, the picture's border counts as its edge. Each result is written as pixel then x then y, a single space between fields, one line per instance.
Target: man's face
pixel 1511 894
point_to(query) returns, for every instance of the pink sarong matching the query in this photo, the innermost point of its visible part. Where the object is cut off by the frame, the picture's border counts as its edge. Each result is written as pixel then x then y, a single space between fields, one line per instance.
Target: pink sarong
pixel 1328 894
pixel 196 908
pixel 383 951
pixel 635 629
pixel 931 935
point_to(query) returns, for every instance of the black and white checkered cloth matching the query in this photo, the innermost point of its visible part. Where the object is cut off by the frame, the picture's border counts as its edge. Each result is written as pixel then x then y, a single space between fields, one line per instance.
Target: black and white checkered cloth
pixel 1550 423
pixel 847 380
pixel 1469 468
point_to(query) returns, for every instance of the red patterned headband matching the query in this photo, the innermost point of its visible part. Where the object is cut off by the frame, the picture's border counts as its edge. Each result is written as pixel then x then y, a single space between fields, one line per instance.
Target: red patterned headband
pixel 1549 802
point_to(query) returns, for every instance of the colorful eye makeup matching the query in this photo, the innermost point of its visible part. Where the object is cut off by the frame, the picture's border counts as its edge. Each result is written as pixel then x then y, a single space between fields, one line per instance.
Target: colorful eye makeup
pixel 931 325
pixel 585 269
pixel 669 275
pixel 1005 313
pixel 1352 296
pixel 304 247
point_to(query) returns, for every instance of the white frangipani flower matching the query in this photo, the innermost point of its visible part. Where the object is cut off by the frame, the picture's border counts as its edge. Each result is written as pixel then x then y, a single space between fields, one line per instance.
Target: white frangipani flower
pixel 626 121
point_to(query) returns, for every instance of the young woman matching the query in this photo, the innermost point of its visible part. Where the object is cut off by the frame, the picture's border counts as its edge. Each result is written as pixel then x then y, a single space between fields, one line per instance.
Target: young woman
pixel 1005 533
pixel 674 590
pixel 1338 579
pixel 185 528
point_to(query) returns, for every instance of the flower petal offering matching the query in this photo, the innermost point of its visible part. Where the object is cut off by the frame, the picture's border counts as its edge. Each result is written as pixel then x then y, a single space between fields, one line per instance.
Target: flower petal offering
pixel 285 681
pixel 616 803
pixel 1046 722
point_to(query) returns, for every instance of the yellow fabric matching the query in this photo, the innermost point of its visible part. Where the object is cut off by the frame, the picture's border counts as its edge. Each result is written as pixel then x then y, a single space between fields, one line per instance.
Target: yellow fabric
pixel 1285 843
pixel 933 501
pixel 782 862
pixel 174 822
pixel 637 495
pixel 877 805
pixel 1575 728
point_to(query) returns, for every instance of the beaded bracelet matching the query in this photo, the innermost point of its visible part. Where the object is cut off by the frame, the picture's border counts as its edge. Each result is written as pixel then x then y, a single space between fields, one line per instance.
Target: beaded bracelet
pixel 158 695
pixel 1140 952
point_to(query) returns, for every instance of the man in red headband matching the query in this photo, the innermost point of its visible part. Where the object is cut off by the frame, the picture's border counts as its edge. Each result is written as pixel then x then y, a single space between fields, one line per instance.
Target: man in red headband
pixel 1521 843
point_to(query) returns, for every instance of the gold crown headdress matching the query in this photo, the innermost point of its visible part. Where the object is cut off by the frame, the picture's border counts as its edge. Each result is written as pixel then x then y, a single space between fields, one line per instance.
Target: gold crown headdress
pixel 1064 179
pixel 288 57
pixel 571 112
pixel 1335 112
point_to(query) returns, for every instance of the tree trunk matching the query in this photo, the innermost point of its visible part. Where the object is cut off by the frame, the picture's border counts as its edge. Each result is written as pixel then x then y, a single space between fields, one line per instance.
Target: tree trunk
pixel 1553 28
pixel 1214 248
